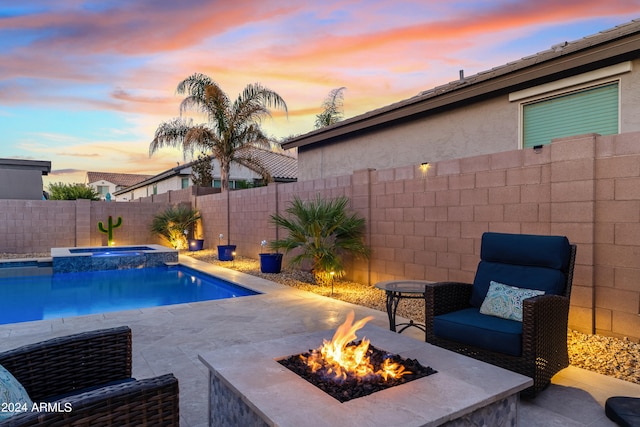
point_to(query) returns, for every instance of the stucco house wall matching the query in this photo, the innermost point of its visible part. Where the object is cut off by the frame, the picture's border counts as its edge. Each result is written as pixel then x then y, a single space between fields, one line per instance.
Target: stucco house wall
pixel 484 127
pixel 170 183
pixel 22 179
pixel 173 182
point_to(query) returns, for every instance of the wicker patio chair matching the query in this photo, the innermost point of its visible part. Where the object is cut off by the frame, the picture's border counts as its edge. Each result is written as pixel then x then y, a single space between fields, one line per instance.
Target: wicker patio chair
pixel 91 371
pixel 535 347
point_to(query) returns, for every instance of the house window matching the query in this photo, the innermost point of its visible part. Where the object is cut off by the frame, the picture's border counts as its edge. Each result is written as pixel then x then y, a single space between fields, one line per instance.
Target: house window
pixel 103 190
pixel 218 184
pixel 155 189
pixel 184 182
pixel 590 110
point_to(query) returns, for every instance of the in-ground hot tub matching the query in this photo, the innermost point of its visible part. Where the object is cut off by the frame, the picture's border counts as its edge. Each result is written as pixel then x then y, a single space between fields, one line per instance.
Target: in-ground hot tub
pixel 70 260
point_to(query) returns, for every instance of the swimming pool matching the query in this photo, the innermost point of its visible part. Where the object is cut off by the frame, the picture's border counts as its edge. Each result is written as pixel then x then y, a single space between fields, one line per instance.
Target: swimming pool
pixel 26 298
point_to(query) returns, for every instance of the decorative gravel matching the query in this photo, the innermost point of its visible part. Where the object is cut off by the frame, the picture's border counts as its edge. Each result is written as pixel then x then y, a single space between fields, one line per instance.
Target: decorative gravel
pixel 614 357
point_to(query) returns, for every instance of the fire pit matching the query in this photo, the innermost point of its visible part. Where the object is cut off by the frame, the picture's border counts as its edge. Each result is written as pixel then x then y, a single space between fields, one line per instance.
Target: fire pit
pixel 346 369
pixel 248 386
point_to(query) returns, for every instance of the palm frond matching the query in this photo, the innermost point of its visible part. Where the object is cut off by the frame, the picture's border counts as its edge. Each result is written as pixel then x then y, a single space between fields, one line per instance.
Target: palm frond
pixel 173 222
pixel 247 159
pixel 255 100
pixel 200 138
pixel 195 85
pixel 230 127
pixel 323 233
pixel 332 108
pixel 170 134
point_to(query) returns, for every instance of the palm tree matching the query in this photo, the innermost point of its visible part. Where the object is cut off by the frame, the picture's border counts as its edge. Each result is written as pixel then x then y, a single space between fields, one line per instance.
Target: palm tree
pixel 323 232
pixel 332 108
pixel 233 128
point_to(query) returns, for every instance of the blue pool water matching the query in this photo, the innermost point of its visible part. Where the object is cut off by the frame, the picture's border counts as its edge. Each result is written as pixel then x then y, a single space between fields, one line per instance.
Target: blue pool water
pixel 26 298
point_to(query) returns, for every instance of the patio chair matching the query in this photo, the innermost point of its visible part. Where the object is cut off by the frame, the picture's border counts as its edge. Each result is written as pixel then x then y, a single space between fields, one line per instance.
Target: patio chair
pixel 480 320
pixel 623 410
pixel 88 376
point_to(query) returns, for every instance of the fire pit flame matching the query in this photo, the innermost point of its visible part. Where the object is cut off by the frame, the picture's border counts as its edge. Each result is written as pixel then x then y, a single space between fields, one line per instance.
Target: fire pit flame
pixel 342 358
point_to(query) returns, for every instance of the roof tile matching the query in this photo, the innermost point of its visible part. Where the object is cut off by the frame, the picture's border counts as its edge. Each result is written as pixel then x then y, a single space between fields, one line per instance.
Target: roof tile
pixel 120 179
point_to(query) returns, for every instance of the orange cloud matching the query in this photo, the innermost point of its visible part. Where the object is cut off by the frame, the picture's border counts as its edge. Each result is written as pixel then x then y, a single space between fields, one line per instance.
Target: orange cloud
pixel 130 58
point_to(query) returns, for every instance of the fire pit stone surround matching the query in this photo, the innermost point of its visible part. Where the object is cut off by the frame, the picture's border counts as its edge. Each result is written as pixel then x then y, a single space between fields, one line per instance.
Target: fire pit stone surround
pixel 249 388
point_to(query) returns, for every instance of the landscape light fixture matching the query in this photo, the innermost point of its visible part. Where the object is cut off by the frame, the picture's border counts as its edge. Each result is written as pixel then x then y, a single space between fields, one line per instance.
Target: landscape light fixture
pixel 332 274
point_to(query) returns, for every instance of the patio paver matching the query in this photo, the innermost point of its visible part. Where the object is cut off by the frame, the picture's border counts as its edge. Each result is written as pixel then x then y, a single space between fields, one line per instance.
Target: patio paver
pixel 169 339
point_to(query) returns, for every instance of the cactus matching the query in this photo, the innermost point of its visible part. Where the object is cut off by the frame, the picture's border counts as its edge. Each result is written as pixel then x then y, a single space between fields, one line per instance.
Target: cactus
pixel 109 229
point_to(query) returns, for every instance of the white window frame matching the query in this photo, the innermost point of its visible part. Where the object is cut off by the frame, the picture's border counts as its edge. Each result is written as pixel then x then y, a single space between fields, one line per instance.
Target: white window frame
pixel 567 86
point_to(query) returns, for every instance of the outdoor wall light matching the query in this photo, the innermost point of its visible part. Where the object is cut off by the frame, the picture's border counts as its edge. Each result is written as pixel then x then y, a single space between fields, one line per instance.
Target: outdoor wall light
pixel 537 148
pixel 424 167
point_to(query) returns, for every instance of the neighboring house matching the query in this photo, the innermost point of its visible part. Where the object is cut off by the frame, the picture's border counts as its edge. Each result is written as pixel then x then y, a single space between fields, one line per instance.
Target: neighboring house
pixel 283 168
pixel 22 179
pixel 590 85
pixel 108 183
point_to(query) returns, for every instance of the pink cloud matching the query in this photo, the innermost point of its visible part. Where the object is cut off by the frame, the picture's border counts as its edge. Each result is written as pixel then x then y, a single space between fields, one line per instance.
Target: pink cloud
pixel 131 58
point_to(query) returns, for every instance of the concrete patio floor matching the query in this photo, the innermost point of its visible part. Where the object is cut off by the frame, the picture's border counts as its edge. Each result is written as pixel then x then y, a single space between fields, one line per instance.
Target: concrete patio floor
pixel 169 339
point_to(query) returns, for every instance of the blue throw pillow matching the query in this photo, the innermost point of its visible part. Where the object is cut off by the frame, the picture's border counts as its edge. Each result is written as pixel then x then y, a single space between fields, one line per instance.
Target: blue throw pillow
pixel 506 301
pixel 13 395
pixel 551 281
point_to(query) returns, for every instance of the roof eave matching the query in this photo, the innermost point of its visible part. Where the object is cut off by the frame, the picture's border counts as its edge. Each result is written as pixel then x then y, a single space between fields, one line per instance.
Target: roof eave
pixel 176 171
pixel 564 64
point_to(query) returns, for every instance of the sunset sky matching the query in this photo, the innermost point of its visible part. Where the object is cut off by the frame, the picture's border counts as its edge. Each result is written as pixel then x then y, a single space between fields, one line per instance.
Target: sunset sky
pixel 84 83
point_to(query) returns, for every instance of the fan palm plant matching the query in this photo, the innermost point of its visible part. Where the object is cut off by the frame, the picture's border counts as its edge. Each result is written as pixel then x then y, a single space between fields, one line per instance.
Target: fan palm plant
pixel 175 224
pixel 233 129
pixel 324 233
pixel 332 108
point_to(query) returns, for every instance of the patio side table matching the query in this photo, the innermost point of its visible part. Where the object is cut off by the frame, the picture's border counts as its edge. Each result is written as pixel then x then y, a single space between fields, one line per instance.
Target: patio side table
pixel 397 290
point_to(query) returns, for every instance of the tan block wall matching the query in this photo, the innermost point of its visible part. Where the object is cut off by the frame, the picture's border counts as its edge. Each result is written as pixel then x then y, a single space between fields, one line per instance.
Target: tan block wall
pixel 424 226
pixel 427 226
pixel 616 257
pixel 39 225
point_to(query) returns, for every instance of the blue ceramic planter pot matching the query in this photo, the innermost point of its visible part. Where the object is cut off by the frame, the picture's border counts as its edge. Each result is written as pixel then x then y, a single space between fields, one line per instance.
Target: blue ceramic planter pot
pixel 225 252
pixel 270 263
pixel 196 244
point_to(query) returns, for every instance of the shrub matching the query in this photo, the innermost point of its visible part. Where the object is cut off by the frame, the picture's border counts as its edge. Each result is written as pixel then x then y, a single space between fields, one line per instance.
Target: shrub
pixel 175 224
pixel 62 191
pixel 323 232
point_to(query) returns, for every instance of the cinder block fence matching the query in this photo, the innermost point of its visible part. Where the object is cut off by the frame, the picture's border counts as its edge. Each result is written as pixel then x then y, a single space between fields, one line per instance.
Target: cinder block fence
pixel 422 223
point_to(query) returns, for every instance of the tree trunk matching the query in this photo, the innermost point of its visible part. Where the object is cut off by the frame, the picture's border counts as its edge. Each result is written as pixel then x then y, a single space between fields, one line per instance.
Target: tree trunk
pixel 225 168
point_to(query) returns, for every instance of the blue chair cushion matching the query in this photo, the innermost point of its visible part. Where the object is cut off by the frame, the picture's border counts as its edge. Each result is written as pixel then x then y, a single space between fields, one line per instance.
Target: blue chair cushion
pixel 521 260
pixel 470 327
pixel 526 249
pixel 624 411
